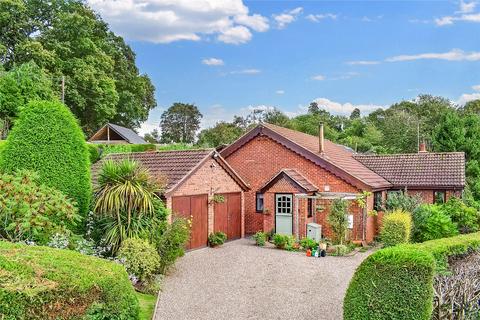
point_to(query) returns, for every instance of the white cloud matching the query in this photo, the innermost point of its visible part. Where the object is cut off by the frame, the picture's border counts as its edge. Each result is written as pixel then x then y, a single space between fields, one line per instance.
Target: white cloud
pixel 465 13
pixel 345 76
pixel 467 7
pixel 165 21
pixel 280 92
pixel 452 55
pixel 319 77
pixel 246 71
pixel 345 108
pixel 366 19
pixel 466 97
pixel 476 87
pixel 443 21
pixel 148 127
pixel 213 62
pixel 284 19
pixel 319 17
pixel 363 62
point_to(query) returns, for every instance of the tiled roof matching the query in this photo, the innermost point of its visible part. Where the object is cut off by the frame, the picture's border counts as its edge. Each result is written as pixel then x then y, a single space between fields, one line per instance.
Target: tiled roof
pixel 173 165
pixel 128 134
pixel 337 155
pixel 296 177
pixel 424 169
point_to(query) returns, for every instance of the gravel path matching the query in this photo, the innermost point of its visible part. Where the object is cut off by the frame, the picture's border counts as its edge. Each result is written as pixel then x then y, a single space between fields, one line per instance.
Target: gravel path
pixel 242 281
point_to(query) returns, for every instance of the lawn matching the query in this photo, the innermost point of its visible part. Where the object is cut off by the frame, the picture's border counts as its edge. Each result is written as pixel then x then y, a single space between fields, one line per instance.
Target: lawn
pixel 147 305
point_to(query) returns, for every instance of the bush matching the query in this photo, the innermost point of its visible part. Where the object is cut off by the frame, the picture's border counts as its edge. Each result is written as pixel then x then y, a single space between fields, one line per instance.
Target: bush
pixel 124 148
pixel 45 283
pixel 339 250
pixel 47 139
pixel 338 220
pixel 431 222
pixel 94 152
pixel 402 201
pixel 140 258
pixel 467 218
pixel 283 241
pixel 32 211
pixel 396 228
pixel 397 282
pixel 216 238
pixel 171 243
pixel 307 243
pixel 260 238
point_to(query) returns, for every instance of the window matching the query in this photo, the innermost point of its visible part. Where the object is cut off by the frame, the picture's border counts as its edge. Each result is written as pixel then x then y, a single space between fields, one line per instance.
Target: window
pixel 310 208
pixel 377 201
pixel 259 202
pixel 439 196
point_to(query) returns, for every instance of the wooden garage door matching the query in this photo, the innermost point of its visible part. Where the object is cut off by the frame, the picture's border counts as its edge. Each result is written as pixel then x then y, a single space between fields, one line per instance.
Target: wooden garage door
pixel 195 208
pixel 228 215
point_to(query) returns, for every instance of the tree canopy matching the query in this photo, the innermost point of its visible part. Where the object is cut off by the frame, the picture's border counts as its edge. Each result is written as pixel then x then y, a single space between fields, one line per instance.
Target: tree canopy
pixel 180 123
pixel 67 38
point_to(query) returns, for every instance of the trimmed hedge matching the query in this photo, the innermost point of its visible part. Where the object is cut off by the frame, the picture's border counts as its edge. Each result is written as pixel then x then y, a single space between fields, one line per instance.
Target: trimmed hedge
pixel 396 228
pixel 45 283
pixel 46 138
pixel 125 148
pixel 397 282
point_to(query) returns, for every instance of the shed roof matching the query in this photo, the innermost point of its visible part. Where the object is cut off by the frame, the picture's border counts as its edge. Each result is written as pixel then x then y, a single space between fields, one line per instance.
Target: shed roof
pixel 417 170
pixel 127 134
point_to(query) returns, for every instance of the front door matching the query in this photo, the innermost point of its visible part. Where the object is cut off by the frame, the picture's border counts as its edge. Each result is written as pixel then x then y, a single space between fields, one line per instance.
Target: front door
pixel 283 213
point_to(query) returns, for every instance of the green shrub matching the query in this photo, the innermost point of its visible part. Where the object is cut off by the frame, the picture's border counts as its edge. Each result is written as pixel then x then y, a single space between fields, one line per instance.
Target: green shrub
pixel 3 143
pixel 307 243
pixel 431 222
pixel 124 148
pixel 45 283
pixel 94 152
pixel 283 241
pixel 216 238
pixel 396 228
pixel 140 258
pixel 397 282
pixel 338 220
pixel 260 238
pixel 47 139
pixel 32 211
pixel 467 218
pixel 402 201
pixel 340 250
pixel 171 243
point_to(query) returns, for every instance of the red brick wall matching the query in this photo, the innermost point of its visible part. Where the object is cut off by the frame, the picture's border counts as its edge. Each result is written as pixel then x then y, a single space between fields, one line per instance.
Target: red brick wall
pixel 262 158
pixel 427 195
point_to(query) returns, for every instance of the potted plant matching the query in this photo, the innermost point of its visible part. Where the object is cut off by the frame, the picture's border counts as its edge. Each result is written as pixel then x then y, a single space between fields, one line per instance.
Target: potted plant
pixel 216 239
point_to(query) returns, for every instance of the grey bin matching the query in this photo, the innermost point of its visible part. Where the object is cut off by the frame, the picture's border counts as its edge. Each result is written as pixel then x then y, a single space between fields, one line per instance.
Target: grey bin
pixel 314 231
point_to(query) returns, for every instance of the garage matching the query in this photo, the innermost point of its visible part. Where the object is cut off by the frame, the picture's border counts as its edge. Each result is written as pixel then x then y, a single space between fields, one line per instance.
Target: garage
pixel 196 209
pixel 228 215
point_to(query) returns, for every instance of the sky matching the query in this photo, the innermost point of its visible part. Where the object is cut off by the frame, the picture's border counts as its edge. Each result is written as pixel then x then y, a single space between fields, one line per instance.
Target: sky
pixel 231 56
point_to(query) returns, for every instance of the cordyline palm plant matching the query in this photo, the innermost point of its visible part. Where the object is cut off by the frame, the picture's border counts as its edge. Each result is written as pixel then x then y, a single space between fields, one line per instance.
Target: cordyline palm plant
pixel 127 198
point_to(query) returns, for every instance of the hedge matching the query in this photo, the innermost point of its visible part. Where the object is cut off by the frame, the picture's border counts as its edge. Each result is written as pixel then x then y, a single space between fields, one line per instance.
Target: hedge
pixel 397 282
pixel 45 283
pixel 46 138
pixel 396 228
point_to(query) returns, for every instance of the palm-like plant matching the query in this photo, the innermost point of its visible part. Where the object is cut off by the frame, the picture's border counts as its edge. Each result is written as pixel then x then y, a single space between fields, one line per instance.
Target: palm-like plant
pixel 126 197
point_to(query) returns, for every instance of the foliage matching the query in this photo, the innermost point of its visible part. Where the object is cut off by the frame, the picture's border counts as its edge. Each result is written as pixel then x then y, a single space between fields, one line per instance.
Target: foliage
pixel 152 137
pixel 32 211
pixel 283 241
pixel 179 123
pixel 47 139
pixel 217 238
pixel 94 152
pixel 397 282
pixel 307 243
pixel 124 148
pixel 338 220
pixel 45 283
pixel 260 238
pixel 171 243
pixel 466 218
pixel 402 201
pixel 126 197
pixel 175 146
pixel 147 305
pixel 431 222
pixel 19 86
pixel 139 257
pixel 396 228
pixel 339 250
pixel 67 38
pixel 223 133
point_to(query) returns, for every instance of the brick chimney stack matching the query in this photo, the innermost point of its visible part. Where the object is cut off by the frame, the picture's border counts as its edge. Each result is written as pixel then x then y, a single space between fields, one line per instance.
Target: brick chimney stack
pixel 422 147
pixel 321 140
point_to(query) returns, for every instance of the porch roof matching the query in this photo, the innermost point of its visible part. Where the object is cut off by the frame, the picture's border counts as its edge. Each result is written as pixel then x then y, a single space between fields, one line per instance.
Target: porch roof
pixel 293 176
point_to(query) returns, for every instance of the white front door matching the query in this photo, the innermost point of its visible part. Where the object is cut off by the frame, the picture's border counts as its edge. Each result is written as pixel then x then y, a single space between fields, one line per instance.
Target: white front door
pixel 284 213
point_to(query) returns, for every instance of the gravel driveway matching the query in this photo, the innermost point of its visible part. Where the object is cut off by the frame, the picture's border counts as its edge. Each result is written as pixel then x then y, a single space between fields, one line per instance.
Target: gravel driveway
pixel 242 281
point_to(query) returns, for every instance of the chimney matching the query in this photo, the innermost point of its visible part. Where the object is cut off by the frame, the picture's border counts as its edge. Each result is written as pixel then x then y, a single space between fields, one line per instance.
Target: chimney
pixel 321 140
pixel 422 147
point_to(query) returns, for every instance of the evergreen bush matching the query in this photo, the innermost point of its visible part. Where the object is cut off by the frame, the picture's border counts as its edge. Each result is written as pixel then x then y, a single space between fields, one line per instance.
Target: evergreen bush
pixel 396 228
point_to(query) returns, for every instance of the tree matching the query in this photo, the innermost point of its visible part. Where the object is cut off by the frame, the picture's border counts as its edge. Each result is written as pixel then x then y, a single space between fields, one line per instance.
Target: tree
pixel 355 114
pixel 472 107
pixel 19 86
pixel 276 117
pixel 180 123
pixel 221 134
pixel 47 139
pixel 152 137
pixel 67 38
pixel 338 219
pixel 313 107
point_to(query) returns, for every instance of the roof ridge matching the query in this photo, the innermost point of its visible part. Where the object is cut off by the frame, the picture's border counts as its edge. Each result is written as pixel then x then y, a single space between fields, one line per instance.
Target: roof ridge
pixel 407 154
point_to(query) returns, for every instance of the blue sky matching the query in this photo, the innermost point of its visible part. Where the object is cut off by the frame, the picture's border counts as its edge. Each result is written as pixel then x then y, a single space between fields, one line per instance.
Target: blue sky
pixel 230 56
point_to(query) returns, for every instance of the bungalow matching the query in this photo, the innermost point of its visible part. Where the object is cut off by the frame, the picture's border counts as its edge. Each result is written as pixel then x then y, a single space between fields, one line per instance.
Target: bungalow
pixel 293 178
